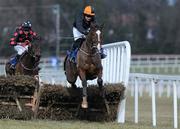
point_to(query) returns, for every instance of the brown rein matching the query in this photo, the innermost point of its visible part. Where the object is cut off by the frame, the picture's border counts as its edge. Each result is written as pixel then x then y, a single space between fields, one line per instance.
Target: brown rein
pixel 26 68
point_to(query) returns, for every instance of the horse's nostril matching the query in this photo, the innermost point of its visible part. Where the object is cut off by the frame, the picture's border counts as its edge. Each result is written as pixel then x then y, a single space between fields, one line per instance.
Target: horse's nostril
pixel 38 56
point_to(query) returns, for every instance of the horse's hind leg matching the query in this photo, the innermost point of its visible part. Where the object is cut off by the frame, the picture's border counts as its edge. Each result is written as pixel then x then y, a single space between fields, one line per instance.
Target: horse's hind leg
pixel 8 70
pixel 100 84
pixel 72 80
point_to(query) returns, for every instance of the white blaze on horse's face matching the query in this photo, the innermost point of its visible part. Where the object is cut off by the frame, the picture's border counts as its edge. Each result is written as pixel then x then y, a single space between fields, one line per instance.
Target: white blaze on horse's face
pixel 98 32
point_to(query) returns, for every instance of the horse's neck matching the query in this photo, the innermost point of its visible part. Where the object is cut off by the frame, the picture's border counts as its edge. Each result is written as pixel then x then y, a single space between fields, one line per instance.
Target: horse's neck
pixel 85 45
pixel 26 59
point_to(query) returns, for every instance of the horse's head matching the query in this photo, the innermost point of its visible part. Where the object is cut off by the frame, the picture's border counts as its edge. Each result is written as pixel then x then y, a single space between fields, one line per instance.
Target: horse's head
pixel 94 37
pixel 34 51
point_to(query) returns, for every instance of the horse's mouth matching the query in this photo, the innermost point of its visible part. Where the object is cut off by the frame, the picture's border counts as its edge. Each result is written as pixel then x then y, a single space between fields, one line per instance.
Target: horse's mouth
pixel 94 50
pixel 37 58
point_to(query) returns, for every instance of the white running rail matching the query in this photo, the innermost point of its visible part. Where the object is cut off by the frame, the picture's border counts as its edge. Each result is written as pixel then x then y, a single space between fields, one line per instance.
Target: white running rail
pixel 156 80
pixel 116 68
pixel 165 64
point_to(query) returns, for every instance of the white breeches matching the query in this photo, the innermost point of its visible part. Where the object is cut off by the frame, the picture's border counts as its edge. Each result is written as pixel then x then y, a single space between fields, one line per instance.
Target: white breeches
pixel 77 34
pixel 20 49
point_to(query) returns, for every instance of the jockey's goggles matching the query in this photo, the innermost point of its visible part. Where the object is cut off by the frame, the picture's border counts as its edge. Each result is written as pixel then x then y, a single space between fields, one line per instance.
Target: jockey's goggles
pixel 88 15
pixel 26 28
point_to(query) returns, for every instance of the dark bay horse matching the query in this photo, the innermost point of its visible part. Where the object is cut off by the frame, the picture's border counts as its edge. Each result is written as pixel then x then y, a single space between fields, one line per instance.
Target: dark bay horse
pixel 27 63
pixel 88 65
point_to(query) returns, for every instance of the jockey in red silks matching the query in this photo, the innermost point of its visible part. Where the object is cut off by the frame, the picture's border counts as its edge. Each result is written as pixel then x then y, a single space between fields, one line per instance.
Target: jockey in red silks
pixel 81 28
pixel 22 38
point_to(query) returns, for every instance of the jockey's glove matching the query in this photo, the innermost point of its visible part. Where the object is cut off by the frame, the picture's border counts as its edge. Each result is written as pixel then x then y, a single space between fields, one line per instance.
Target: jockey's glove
pixel 85 32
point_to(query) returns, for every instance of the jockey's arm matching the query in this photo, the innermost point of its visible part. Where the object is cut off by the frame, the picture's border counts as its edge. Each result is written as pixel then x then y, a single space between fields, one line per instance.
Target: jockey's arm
pixel 13 40
pixel 35 36
pixel 24 44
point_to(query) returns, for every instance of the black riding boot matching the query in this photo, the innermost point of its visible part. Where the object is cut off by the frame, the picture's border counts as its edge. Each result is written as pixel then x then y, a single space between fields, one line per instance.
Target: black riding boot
pixel 76 45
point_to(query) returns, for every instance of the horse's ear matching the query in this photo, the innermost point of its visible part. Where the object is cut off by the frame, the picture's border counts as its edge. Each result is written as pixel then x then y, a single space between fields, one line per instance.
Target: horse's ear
pixel 93 25
pixel 101 26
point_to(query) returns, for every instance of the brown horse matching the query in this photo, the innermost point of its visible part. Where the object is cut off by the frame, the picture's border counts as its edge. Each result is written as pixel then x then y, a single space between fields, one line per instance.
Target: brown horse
pixel 27 63
pixel 88 65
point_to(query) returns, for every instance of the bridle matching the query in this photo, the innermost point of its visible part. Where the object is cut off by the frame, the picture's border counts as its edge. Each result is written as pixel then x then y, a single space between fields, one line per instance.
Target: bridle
pixel 97 46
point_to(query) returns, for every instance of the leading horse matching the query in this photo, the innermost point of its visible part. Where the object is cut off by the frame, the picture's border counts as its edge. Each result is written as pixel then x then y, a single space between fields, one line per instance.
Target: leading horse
pixel 88 66
pixel 27 63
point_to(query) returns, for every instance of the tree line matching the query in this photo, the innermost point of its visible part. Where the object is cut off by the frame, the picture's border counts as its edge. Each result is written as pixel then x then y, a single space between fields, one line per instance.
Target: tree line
pixel 151 27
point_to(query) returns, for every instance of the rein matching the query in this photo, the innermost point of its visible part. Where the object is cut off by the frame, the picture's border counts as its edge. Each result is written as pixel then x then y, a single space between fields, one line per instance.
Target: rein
pixel 26 68
pixel 88 54
pixel 90 44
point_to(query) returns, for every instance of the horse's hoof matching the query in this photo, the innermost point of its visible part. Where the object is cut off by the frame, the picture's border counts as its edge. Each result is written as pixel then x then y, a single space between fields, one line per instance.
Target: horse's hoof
pixel 36 77
pixel 84 105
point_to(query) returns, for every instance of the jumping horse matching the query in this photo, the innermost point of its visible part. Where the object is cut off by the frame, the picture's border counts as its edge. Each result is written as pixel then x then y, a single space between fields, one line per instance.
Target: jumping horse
pixel 27 63
pixel 88 63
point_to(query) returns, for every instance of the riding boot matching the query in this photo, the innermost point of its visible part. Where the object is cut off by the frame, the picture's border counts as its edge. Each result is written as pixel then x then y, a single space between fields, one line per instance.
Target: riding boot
pixel 102 53
pixel 14 61
pixel 76 45
pixel 72 53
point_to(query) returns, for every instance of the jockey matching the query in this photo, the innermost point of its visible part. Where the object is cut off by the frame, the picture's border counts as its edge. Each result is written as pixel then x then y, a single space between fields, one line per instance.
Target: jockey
pixel 81 28
pixel 22 38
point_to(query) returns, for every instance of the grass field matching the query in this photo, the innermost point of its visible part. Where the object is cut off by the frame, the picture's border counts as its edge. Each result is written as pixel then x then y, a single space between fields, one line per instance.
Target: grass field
pixel 164 118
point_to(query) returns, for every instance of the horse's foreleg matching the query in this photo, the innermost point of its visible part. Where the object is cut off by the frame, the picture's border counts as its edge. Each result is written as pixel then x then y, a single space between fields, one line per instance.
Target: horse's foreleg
pixel 84 102
pixel 100 84
pixel 84 84
pixel 101 88
pixel 74 85
pixel 102 91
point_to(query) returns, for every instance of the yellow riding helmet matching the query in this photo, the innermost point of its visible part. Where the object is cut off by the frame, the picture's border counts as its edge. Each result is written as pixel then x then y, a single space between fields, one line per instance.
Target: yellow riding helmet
pixel 88 10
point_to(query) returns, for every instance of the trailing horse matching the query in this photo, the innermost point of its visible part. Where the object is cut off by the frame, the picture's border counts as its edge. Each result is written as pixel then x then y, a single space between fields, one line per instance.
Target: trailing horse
pixel 88 66
pixel 27 63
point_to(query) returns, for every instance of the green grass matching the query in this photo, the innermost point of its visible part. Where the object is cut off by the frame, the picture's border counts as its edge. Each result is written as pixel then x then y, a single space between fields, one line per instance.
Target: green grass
pixel 164 118
pixel 12 124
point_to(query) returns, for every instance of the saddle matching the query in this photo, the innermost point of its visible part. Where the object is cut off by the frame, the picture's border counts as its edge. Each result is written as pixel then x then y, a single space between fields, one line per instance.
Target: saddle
pixel 72 55
pixel 13 60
